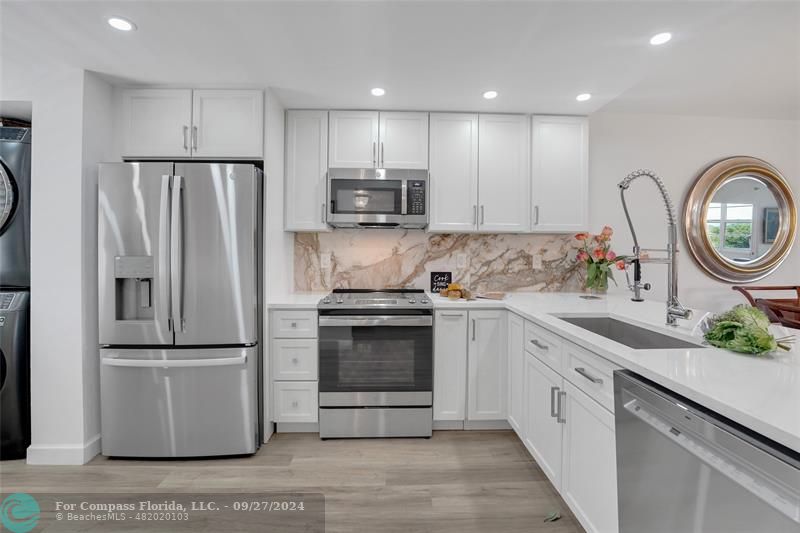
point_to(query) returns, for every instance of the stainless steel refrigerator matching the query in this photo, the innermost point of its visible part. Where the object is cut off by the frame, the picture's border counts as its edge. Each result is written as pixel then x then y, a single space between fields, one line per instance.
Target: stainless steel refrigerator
pixel 180 308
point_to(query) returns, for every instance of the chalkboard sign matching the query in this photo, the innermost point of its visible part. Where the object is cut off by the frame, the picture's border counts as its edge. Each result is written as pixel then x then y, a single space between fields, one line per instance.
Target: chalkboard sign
pixel 440 280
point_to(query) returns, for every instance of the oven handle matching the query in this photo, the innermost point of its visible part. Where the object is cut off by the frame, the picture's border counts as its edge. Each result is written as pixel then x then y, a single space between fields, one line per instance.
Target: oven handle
pixel 376 320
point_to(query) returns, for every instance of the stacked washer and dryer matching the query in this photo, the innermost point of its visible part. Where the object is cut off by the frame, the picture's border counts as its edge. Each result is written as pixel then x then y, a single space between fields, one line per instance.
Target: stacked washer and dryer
pixel 15 225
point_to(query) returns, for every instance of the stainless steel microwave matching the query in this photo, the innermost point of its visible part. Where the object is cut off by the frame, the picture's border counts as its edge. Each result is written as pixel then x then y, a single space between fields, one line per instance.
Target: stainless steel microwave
pixel 377 198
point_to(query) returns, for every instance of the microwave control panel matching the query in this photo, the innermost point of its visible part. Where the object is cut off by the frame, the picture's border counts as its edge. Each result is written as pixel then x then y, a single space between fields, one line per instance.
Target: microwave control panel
pixel 416 198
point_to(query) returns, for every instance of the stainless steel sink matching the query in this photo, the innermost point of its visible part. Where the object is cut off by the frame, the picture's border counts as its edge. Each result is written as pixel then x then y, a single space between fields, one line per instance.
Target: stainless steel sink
pixel 630 335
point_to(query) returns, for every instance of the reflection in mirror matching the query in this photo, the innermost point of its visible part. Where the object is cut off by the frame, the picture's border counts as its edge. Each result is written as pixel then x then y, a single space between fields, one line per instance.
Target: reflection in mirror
pixel 742 219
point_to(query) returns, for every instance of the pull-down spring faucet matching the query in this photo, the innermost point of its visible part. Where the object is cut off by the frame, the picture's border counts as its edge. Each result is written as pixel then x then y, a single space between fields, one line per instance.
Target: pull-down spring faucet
pixel 674 308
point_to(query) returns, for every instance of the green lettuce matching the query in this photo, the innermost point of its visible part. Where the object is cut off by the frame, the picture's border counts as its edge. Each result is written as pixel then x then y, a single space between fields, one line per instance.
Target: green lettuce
pixel 742 329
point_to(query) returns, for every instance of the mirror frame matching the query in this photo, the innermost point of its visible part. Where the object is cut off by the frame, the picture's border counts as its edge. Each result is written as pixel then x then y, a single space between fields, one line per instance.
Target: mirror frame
pixel 700 195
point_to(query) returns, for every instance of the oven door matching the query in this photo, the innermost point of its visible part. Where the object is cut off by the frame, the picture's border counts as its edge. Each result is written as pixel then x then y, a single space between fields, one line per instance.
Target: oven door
pixel 375 360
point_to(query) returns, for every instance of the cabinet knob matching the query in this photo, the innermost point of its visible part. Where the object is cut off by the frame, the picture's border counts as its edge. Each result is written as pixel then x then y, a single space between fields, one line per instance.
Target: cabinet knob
pixel 294 360
pixel 294 324
pixel 294 403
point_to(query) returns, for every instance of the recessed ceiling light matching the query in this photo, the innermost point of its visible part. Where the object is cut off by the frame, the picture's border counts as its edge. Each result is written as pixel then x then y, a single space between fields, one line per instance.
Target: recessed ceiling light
pixel 377 91
pixel 583 97
pixel 121 24
pixel 660 38
pixel 490 95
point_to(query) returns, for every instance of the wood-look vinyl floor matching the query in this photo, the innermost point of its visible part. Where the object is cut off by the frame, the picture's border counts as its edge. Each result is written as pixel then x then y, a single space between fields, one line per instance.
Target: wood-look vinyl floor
pixel 457 481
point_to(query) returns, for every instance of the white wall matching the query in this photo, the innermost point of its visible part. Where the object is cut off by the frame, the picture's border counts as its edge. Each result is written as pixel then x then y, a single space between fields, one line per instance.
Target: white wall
pixel 678 148
pixel 97 135
pixel 58 298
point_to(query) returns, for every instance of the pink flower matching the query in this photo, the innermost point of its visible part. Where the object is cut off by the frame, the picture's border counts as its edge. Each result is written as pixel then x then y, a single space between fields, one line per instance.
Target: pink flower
pixel 582 256
pixel 610 255
pixel 620 264
pixel 599 253
pixel 607 232
pixel 582 236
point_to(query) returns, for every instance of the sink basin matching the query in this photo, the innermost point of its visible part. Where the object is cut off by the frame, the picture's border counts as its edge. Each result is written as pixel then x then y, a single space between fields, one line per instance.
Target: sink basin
pixel 630 335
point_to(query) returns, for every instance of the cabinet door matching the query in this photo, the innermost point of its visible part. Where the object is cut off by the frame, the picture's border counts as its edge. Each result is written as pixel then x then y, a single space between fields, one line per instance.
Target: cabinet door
pixel 516 373
pixel 156 122
pixel 486 388
pixel 560 173
pixel 453 172
pixel 228 123
pixel 295 401
pixel 306 168
pixel 353 141
pixel 589 475
pixel 450 365
pixel 403 140
pixel 542 429
pixel 504 173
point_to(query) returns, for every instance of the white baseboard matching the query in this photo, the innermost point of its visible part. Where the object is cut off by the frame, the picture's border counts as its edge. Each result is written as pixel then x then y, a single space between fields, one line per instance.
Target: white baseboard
pixel 63 454
pixel 448 425
pixel 487 424
pixel 297 427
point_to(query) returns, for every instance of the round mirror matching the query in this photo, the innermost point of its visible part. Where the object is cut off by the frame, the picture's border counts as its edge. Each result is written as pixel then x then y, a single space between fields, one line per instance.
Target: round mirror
pixel 740 219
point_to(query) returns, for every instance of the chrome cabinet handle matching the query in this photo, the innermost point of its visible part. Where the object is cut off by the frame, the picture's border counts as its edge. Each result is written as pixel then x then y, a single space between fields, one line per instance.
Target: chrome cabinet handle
pixel 482 215
pixel 473 329
pixel 185 138
pixel 561 419
pixel 322 217
pixel 536 215
pixel 553 411
pixel 539 345
pixel 194 138
pixel 383 161
pixel 452 315
pixel 584 373
pixel 294 403
pixel 374 161
pixel 475 214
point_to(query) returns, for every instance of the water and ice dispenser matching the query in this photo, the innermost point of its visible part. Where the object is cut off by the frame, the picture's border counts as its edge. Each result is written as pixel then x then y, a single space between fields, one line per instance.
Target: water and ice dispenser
pixel 133 281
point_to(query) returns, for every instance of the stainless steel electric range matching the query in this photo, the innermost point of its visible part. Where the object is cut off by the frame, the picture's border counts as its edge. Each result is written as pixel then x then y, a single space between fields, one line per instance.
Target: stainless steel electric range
pixel 375 363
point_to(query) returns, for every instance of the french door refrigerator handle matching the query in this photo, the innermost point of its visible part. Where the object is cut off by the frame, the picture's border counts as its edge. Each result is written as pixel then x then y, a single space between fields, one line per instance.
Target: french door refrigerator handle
pixel 163 298
pixel 176 253
pixel 176 363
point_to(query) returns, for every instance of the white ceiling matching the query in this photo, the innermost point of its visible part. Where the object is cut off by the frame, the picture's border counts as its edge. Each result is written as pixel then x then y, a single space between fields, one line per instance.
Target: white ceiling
pixel 726 59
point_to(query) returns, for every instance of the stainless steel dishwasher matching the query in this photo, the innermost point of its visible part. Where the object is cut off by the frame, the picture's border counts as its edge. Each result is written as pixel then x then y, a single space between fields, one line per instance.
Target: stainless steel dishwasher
pixel 684 469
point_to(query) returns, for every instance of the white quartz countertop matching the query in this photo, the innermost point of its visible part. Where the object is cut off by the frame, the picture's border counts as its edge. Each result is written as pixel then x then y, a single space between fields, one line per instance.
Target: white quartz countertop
pixel 761 393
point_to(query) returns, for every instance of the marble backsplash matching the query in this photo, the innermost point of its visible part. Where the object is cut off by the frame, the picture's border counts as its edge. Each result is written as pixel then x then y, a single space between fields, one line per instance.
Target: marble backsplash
pixel 403 258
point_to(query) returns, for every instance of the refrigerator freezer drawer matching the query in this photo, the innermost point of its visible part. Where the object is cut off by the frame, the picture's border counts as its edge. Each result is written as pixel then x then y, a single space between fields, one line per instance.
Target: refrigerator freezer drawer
pixel 179 402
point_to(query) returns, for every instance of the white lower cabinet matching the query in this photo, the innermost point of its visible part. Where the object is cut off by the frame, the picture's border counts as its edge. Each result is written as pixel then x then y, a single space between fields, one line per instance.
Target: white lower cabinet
pixel 295 401
pixel 543 431
pixel 450 365
pixel 589 473
pixel 568 427
pixel 516 373
pixel 487 366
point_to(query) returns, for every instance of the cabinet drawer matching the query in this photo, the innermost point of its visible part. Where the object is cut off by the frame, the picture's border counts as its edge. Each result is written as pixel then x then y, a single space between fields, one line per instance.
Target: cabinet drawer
pixel 590 373
pixel 295 401
pixel 294 324
pixel 294 359
pixel 544 345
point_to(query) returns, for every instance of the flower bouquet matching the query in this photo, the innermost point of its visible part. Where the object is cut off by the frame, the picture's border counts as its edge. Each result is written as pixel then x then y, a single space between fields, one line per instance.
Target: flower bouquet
pixel 596 252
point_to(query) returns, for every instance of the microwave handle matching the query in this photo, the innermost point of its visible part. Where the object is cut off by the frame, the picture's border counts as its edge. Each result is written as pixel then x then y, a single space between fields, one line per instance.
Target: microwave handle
pixel 404 198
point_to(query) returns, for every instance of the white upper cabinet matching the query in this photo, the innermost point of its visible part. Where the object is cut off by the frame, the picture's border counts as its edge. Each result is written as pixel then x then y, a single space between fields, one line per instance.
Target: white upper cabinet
pixel 450 365
pixel 486 390
pixel 181 123
pixel 453 172
pixel 504 174
pixel 353 139
pixel 403 140
pixel 560 173
pixel 306 170
pixel 228 123
pixel 156 122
